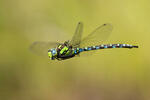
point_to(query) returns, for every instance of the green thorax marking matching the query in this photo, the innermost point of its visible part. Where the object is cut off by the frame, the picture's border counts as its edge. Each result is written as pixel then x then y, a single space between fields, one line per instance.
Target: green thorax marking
pixel 64 49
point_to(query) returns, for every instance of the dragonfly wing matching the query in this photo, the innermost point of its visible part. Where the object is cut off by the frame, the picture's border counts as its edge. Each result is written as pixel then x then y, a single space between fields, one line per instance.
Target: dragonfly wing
pixel 99 35
pixel 41 48
pixel 76 39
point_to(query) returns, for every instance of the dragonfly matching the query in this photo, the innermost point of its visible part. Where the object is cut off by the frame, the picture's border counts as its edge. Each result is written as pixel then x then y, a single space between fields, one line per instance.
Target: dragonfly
pixel 77 45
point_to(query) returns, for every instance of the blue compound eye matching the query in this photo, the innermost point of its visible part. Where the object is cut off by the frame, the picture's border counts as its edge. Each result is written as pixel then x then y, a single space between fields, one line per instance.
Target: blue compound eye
pixel 53 51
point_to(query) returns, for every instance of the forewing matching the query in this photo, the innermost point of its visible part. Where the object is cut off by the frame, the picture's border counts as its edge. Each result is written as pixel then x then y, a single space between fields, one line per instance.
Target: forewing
pixel 41 48
pixel 99 35
pixel 76 39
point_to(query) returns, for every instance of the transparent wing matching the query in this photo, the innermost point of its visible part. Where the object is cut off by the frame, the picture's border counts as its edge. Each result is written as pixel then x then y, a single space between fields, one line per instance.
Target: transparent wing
pixel 99 35
pixel 76 39
pixel 41 48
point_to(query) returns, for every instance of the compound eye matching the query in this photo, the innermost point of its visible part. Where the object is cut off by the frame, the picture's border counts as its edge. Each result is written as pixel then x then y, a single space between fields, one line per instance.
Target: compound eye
pixel 54 51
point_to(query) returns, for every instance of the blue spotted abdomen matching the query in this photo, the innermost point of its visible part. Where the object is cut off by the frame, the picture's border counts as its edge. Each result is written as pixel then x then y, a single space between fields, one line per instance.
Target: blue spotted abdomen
pixel 78 50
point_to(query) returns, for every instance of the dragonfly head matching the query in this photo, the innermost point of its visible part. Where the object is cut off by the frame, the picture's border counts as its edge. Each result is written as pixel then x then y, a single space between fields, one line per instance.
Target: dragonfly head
pixel 52 53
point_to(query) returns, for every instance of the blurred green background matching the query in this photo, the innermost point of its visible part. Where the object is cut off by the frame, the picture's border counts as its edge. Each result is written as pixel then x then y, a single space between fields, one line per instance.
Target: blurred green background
pixel 114 74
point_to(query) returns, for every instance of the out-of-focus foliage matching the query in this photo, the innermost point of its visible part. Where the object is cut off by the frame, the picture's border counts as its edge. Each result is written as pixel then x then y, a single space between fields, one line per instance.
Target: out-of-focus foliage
pixel 114 74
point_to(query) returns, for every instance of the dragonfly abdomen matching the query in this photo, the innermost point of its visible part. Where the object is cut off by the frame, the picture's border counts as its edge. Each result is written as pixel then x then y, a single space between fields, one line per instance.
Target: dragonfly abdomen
pixel 108 46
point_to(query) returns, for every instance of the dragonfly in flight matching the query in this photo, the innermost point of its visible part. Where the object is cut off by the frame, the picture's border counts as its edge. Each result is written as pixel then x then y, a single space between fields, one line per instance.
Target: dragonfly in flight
pixel 77 45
